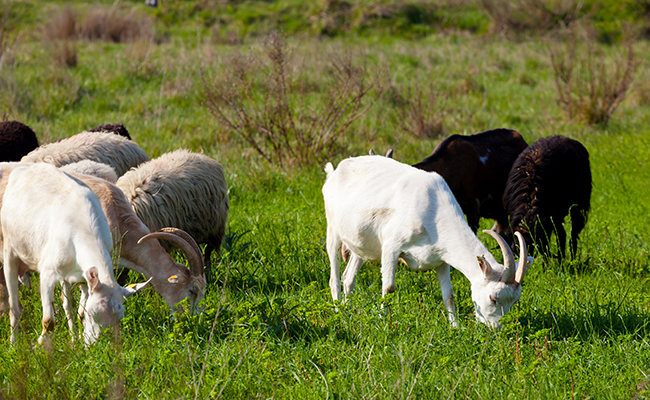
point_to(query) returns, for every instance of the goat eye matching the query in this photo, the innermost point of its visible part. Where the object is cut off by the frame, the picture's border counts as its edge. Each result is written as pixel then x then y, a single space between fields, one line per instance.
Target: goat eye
pixel 493 299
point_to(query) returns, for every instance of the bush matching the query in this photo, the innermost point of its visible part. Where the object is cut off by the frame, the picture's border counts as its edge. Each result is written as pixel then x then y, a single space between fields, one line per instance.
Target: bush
pixel 263 105
pixel 589 87
pixel 418 113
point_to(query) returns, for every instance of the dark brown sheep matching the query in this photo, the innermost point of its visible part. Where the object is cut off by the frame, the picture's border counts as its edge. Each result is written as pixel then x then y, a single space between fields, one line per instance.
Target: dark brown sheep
pixel 476 168
pixel 16 140
pixel 550 179
pixel 117 129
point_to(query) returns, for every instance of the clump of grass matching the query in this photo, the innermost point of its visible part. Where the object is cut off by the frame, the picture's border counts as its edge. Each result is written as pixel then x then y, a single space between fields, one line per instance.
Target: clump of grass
pixel 114 25
pixel 589 87
pixel 530 15
pixel 259 102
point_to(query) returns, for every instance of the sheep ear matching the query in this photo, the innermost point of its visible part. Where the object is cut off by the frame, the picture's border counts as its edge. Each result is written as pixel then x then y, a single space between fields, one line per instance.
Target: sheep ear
pixel 91 276
pixel 134 288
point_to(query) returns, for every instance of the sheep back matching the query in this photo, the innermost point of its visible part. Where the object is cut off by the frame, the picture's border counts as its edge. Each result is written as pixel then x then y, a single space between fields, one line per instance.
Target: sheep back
pixel 546 180
pixel 89 167
pixel 116 128
pixel 180 189
pixel 117 151
pixel 16 140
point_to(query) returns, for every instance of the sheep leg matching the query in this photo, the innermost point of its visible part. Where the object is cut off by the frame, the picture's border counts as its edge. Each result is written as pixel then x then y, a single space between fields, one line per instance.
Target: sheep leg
pixel 11 278
pixel 350 273
pixel 561 240
pixel 207 261
pixel 444 279
pixel 48 283
pixel 578 221
pixel 66 297
pixel 333 243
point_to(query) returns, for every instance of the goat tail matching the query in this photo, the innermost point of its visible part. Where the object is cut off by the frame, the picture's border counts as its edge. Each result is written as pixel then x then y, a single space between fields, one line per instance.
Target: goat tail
pixel 329 168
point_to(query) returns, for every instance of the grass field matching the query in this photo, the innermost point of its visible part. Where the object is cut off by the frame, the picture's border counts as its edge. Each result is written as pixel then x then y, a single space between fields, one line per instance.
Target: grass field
pixel 270 329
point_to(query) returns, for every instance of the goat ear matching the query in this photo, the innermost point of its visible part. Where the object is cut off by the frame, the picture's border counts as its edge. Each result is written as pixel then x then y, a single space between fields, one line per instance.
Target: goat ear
pixel 134 288
pixel 485 266
pixel 91 276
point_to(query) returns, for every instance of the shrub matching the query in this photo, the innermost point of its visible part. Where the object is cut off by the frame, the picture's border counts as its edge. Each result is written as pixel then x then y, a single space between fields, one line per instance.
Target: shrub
pixel 62 26
pixel 530 15
pixel 589 87
pixel 262 104
pixel 419 114
pixel 113 25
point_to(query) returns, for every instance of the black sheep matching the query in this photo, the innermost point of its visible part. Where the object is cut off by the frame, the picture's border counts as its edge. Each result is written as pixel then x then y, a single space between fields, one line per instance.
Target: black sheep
pixel 116 128
pixel 476 169
pixel 549 179
pixel 16 140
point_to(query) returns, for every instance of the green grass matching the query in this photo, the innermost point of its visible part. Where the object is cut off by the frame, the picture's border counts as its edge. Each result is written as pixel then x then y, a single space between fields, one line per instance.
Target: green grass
pixel 270 328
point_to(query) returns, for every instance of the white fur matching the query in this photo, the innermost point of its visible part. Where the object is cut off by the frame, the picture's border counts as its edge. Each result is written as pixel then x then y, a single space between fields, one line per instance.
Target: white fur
pixel 89 167
pixel 104 147
pixel 54 224
pixel 383 210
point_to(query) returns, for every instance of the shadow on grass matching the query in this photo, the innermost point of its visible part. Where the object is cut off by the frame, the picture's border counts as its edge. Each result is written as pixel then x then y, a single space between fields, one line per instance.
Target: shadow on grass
pixel 607 322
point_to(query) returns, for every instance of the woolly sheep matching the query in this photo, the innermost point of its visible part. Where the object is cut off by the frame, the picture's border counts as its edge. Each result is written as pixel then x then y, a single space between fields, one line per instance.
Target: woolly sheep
pixel 182 189
pixel 548 181
pixel 117 151
pixel 88 167
pixel 16 140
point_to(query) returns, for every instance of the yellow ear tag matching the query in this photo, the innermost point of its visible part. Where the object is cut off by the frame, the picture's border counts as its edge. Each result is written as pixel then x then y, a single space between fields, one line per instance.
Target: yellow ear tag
pixel 173 277
pixel 133 285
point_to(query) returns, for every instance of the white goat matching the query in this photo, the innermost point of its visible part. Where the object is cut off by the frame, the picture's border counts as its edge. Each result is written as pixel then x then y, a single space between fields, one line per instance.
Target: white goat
pixel 383 210
pixel 182 189
pixel 104 147
pixel 139 249
pixel 54 224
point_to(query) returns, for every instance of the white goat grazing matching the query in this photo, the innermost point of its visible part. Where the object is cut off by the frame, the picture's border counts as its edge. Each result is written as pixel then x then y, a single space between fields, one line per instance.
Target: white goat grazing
pixel 104 147
pixel 139 249
pixel 54 224
pixel 381 209
pixel 182 189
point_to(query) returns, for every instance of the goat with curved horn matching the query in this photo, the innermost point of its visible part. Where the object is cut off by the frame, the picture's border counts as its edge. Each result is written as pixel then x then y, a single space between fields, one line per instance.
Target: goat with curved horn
pixel 183 241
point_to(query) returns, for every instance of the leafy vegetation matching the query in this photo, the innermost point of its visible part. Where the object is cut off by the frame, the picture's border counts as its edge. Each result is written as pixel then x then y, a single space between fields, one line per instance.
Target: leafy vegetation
pixel 270 328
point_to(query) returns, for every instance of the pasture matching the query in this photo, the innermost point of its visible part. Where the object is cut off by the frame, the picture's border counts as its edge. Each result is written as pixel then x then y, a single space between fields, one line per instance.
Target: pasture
pixel 270 329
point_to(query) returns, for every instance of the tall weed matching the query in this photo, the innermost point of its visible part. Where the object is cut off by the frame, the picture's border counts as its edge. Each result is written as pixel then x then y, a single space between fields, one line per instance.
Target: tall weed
pixel 589 87
pixel 260 102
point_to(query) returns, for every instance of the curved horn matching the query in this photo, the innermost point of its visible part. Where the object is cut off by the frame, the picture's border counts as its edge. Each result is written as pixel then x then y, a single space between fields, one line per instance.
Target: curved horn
pixel 508 258
pixel 188 247
pixel 523 259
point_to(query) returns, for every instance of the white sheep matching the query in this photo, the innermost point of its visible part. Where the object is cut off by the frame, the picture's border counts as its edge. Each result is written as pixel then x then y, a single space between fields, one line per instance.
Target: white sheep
pixel 181 189
pixel 383 210
pixel 104 147
pixel 93 168
pixel 54 224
